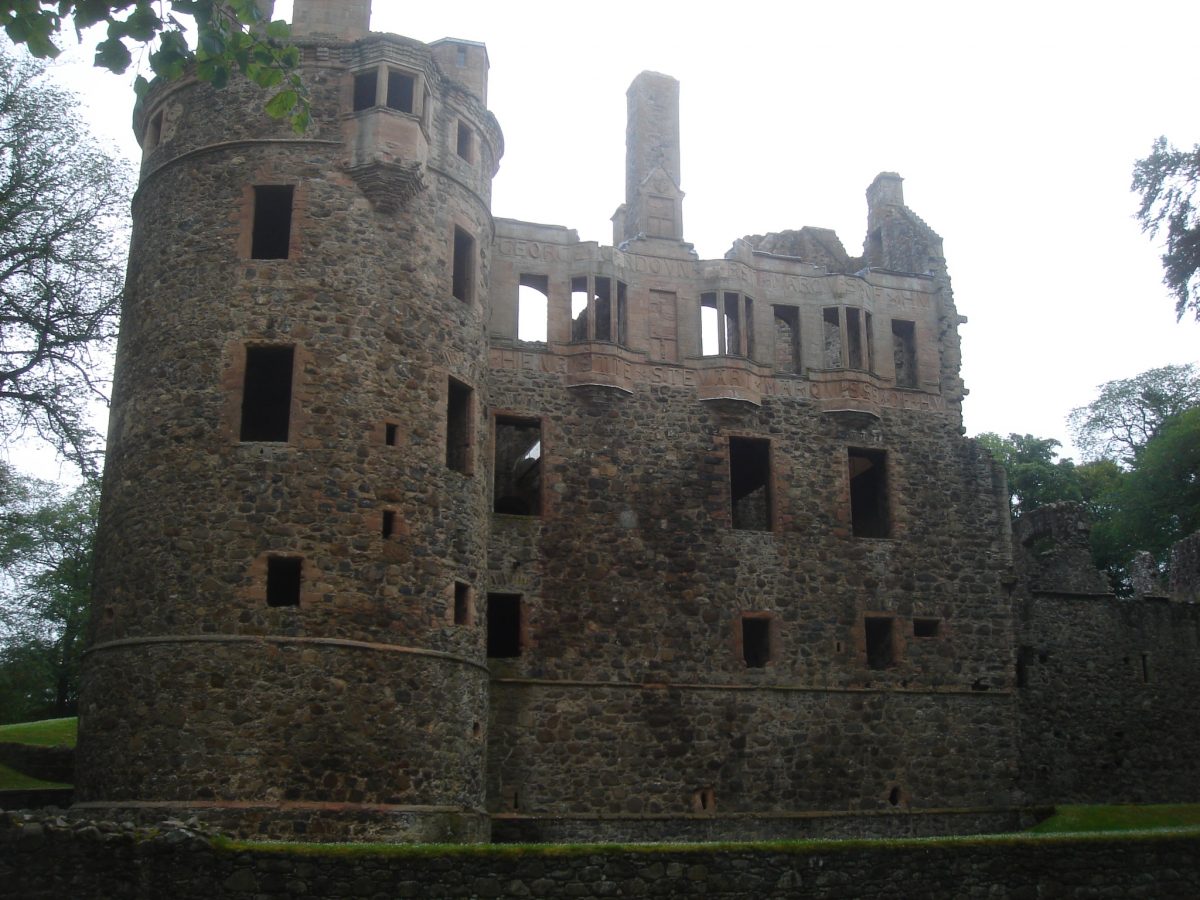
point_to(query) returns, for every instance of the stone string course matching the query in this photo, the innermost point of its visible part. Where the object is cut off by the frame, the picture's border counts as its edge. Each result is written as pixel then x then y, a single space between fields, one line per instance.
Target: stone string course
pixel 47 858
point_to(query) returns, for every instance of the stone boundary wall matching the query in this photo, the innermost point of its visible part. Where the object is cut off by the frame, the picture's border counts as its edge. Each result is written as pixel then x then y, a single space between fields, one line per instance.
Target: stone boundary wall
pixel 52 858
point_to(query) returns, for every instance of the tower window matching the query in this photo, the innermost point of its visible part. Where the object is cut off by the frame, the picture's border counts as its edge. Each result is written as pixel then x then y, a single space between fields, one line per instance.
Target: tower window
pixel 533 304
pixel 366 87
pixel 267 394
pixel 272 221
pixel 596 314
pixel 726 327
pixel 154 131
pixel 283 580
pixel 904 350
pixel 463 286
pixel 400 91
pixel 517 488
pixel 504 626
pixel 756 641
pixel 847 338
pixel 881 650
pixel 750 483
pixel 460 55
pixel 458 427
pixel 389 523
pixel 391 434
pixel 787 339
pixel 465 143
pixel 463 611
pixel 868 494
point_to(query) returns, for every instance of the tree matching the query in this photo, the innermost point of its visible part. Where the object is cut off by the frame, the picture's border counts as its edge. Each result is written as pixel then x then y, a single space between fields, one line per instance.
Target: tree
pixel 1129 412
pixel 1035 478
pixel 46 559
pixel 63 204
pixel 230 34
pixel 1166 181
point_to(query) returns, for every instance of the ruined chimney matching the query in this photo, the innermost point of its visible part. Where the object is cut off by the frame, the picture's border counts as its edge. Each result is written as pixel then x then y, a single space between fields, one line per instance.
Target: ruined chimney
pixel 464 62
pixel 653 200
pixel 346 20
pixel 886 190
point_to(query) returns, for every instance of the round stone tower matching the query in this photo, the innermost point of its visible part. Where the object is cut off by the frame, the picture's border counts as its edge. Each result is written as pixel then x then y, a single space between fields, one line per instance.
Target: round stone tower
pixel 293 531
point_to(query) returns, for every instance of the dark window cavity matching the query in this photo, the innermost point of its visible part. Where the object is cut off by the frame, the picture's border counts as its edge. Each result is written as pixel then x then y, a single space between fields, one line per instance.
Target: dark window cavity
pixel 868 493
pixel 267 394
pixel 462 604
pixel 154 131
pixel 926 628
pixel 881 650
pixel 458 427
pixel 504 625
pixel 787 339
pixel 533 305
pixel 400 90
pixel 598 309
pixel 904 350
pixel 750 482
pixel 283 580
pixel 272 221
pixel 391 434
pixel 465 144
pixel 756 641
pixel 517 488
pixel 389 523
pixel 463 286
pixel 366 86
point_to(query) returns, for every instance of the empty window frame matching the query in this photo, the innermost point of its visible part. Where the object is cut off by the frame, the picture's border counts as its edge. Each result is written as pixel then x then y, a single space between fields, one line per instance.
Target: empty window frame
pixel 787 339
pixel 596 313
pixel 462 283
pixel 904 351
pixel 400 90
pixel 153 132
pixel 880 642
pixel 726 324
pixel 503 626
pixel 464 607
pixel 756 640
pixel 926 628
pixel 459 399
pixel 869 513
pixel 517 479
pixel 533 306
pixel 848 338
pixel 366 89
pixel 750 483
pixel 464 144
pixel 283 580
pixel 391 434
pixel 272 234
pixel 267 394
pixel 388 528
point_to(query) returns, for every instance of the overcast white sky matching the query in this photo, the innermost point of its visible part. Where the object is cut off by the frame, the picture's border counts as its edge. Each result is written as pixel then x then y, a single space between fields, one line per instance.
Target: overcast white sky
pixel 1014 125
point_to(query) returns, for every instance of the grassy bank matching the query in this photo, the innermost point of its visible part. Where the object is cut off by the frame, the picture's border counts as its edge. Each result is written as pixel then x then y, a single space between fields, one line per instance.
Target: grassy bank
pixel 47 733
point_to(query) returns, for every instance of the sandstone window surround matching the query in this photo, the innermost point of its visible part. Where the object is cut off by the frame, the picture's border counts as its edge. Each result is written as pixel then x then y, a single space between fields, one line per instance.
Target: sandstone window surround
pixel 387 86
pixel 464 604
pixel 787 339
pixel 462 274
pixel 267 393
pixel 726 324
pixel 597 313
pixel 460 433
pixel 904 352
pixel 517 474
pixel 533 307
pixel 465 142
pixel 849 343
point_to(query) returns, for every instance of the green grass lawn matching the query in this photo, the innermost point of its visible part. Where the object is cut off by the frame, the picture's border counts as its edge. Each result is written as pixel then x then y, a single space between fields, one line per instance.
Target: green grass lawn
pixel 47 733
pixel 1119 818
pixel 11 780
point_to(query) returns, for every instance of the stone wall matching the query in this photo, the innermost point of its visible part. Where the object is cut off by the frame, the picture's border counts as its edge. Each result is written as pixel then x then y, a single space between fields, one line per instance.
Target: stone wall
pixel 55 764
pixel 44 859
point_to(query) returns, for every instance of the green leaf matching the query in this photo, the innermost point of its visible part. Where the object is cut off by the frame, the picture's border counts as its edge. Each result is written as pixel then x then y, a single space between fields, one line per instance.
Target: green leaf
pixel 282 103
pixel 113 55
pixel 279 30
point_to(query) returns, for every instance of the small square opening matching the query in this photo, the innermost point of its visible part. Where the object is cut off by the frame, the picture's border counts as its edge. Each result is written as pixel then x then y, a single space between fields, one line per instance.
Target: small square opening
pixel 283 580
pixel 926 628
pixel 504 626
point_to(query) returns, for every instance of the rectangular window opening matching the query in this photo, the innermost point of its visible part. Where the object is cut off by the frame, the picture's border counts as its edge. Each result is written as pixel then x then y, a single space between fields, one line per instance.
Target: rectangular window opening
pixel 831 319
pixel 267 394
pixel 272 234
pixel 503 626
pixel 389 523
pixel 750 483
pixel 400 90
pixel 533 307
pixel 465 144
pixel 366 86
pixel 460 55
pixel 787 339
pixel 462 604
pixel 756 641
pixel 283 580
pixel 580 305
pixel 458 427
pixel 904 351
pixel 854 339
pixel 391 434
pixel 881 650
pixel 154 131
pixel 603 314
pixel 622 326
pixel 517 488
pixel 926 628
pixel 1145 668
pixel 869 513
pixel 463 286
pixel 733 325
pixel 712 334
